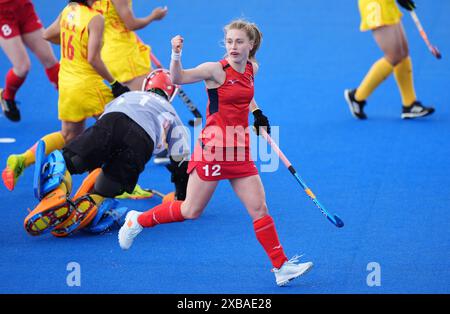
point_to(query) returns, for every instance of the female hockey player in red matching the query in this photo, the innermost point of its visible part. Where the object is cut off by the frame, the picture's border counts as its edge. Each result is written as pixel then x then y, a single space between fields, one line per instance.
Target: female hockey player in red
pixel 222 151
pixel 20 27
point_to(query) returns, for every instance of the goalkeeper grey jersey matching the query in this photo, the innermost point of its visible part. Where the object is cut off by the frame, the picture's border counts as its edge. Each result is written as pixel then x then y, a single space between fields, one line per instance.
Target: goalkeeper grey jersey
pixel 157 117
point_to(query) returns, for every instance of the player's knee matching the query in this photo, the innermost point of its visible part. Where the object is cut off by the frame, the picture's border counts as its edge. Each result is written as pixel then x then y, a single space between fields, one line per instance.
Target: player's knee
pixel 108 187
pixel 48 61
pixel 68 136
pixel 405 55
pixel 191 212
pixel 395 57
pixel 259 210
pixel 23 68
pixel 74 163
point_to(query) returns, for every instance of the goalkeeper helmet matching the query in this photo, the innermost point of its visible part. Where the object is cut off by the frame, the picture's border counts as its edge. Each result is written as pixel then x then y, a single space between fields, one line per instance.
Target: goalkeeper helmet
pixel 160 79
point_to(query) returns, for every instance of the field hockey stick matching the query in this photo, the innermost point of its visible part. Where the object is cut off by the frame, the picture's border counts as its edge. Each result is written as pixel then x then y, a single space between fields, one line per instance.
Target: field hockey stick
pixel 155 192
pixel 333 218
pixel 186 100
pixel 433 49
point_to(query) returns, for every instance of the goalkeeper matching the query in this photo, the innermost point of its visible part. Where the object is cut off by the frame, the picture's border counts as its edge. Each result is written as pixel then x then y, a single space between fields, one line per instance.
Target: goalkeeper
pixel 133 127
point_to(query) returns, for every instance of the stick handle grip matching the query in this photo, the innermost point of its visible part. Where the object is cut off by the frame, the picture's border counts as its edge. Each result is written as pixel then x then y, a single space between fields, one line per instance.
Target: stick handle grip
pixel 155 60
pixel 275 147
pixel 420 28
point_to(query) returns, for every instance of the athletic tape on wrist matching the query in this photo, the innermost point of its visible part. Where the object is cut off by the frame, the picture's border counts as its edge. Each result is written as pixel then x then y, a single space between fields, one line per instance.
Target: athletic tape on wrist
pixel 176 56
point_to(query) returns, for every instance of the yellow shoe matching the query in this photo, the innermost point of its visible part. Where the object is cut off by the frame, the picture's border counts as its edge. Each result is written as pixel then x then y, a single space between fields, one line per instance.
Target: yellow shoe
pixel 137 194
pixel 15 165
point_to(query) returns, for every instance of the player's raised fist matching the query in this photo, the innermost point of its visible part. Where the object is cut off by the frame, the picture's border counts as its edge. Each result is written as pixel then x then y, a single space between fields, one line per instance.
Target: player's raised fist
pixel 177 43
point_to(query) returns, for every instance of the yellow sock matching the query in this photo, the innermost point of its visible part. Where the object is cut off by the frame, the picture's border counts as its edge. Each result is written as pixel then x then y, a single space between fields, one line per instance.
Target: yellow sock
pixel 53 141
pixel 404 76
pixel 379 71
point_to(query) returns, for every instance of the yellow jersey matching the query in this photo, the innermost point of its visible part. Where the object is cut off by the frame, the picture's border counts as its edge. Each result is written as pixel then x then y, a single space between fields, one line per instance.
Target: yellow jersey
pixel 82 91
pixel 125 55
pixel 74 35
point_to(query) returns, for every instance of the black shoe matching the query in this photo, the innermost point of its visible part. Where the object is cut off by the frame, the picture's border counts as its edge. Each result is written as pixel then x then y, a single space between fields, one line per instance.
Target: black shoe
pixel 356 107
pixel 9 108
pixel 416 110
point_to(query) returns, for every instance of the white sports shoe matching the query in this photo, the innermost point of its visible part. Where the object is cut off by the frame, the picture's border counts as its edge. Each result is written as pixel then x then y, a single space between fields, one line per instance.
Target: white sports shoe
pixel 130 229
pixel 290 270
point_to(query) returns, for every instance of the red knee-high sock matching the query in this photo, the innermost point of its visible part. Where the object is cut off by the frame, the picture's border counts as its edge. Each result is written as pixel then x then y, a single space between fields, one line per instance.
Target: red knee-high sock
pixel 52 74
pixel 13 83
pixel 268 237
pixel 162 214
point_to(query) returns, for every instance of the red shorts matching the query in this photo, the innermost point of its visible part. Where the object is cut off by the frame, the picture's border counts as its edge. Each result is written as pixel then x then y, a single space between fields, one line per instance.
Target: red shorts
pixel 18 17
pixel 213 170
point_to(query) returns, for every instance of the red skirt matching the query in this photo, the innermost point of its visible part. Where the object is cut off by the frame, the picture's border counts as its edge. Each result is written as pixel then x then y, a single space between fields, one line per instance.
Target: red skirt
pixel 226 164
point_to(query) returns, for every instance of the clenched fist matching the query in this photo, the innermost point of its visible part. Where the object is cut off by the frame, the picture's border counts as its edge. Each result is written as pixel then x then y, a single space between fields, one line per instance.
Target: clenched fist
pixel 177 44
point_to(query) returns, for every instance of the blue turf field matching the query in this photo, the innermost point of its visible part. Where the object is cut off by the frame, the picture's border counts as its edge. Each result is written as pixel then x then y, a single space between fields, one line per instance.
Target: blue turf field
pixel 388 179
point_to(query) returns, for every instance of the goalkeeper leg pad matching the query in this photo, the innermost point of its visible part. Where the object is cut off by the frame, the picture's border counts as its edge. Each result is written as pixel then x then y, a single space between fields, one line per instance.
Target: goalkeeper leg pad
pixel 108 216
pixel 88 183
pixel 49 171
pixel 84 208
pixel 51 211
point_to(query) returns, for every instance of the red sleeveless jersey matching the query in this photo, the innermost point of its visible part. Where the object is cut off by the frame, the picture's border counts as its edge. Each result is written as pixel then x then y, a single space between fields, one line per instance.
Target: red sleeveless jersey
pixel 223 150
pixel 228 109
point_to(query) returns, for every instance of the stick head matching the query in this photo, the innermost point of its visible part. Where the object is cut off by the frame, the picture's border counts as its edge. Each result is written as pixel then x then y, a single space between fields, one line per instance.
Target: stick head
pixel 436 52
pixel 339 223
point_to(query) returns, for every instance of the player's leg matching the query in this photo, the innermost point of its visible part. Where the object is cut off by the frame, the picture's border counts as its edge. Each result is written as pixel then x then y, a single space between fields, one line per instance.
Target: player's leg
pixel 388 39
pixel 42 49
pixel 71 130
pixel 115 134
pixel 198 194
pixel 17 163
pixel 52 186
pixel 403 73
pixel 84 207
pixel 251 192
pixel 380 18
pixel 88 152
pixel 15 77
